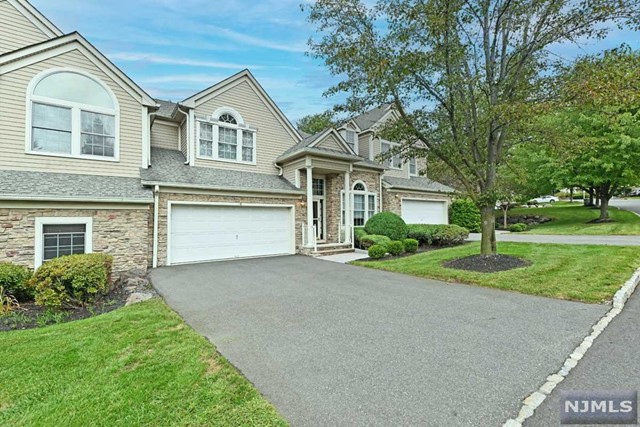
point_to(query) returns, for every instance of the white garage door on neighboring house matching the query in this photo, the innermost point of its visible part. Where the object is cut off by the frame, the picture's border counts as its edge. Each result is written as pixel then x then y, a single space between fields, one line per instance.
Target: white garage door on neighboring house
pixel 200 233
pixel 424 211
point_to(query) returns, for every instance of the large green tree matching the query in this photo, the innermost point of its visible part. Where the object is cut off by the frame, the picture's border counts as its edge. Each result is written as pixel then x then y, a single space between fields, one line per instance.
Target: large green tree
pixel 460 72
pixel 314 123
pixel 594 129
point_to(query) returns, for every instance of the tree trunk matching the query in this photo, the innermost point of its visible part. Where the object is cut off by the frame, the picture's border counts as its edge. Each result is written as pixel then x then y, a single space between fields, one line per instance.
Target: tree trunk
pixel 488 229
pixel 505 223
pixel 604 208
pixel 571 195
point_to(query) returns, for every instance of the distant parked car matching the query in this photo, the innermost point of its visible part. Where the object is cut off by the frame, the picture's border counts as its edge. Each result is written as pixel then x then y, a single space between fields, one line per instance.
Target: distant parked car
pixel 635 192
pixel 542 200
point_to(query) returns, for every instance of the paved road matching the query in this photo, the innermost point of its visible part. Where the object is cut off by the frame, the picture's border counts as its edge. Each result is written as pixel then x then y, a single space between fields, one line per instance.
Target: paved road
pixel 613 362
pixel 333 344
pixel 630 204
pixel 563 239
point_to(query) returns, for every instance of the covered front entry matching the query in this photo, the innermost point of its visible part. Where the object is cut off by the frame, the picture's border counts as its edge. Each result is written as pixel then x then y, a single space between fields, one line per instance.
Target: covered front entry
pixel 205 232
pixel 416 211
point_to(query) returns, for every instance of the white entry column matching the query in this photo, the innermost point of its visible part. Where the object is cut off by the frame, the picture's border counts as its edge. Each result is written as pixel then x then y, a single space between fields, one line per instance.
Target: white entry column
pixel 310 233
pixel 347 207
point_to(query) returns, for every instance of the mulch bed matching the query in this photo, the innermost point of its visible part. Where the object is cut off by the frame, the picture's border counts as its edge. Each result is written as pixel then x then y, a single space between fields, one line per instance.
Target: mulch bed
pixel 487 264
pixel 29 315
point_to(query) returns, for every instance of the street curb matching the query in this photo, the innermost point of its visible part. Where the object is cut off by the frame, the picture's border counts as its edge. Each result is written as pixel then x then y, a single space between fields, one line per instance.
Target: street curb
pixel 535 399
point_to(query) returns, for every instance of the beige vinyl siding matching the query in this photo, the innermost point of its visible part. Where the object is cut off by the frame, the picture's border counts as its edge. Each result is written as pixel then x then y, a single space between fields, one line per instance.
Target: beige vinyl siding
pixel 13 92
pixel 272 139
pixel 184 133
pixel 330 143
pixel 363 146
pixel 289 174
pixel 16 31
pixel 164 135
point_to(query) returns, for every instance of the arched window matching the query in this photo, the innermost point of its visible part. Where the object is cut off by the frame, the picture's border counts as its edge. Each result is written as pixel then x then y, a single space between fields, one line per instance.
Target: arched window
pixel 226 137
pixel 363 202
pixel 74 114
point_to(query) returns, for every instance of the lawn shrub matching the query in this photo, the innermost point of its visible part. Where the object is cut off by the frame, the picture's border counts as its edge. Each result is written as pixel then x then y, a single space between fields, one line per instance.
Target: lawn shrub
pixel 396 247
pixel 377 251
pixel 358 233
pixel 387 224
pixel 411 245
pixel 374 239
pixel 465 213
pixel 72 280
pixel 13 279
pixel 518 227
pixel 438 234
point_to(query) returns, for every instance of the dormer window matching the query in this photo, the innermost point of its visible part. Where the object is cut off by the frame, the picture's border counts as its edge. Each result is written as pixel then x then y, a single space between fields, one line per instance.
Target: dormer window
pixel 413 167
pixel 72 114
pixel 350 137
pixel 225 137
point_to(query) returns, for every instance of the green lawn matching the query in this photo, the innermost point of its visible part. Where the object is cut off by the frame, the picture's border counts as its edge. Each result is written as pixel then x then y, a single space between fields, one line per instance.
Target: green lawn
pixel 136 366
pixel 573 219
pixel 574 272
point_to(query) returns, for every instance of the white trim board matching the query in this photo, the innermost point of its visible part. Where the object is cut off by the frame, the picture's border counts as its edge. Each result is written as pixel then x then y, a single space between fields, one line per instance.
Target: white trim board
pixel 55 220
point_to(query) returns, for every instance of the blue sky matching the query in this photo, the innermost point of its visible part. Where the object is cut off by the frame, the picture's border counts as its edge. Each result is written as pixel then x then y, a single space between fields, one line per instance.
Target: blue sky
pixel 175 48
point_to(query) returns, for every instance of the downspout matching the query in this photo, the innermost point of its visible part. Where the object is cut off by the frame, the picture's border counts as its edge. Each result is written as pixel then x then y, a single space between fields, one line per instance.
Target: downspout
pixel 380 193
pixel 186 115
pixel 156 203
pixel 281 173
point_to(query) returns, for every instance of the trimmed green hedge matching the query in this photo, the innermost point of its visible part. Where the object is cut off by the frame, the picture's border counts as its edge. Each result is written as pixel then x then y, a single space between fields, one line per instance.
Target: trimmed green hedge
pixel 358 233
pixel 72 280
pixel 518 227
pixel 377 251
pixel 411 245
pixel 465 213
pixel 14 278
pixel 396 247
pixel 387 224
pixel 374 239
pixel 438 234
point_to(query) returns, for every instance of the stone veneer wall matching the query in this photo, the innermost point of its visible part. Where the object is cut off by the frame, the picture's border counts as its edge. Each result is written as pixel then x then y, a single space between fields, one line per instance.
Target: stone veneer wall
pixel 300 213
pixel 119 232
pixel 392 199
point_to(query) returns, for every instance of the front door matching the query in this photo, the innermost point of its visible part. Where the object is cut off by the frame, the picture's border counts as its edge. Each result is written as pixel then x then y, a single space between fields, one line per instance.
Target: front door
pixel 318 218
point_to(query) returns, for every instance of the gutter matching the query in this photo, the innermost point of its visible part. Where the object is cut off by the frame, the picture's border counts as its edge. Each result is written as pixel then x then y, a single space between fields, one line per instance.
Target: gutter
pixel 73 199
pixel 186 115
pixel 229 189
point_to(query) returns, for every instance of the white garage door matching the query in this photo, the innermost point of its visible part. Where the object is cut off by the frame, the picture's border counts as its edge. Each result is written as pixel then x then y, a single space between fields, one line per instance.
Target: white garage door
pixel 424 212
pixel 207 233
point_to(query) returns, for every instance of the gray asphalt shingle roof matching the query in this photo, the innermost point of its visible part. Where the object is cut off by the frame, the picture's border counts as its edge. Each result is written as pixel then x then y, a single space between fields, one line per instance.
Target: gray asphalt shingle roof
pixel 417 183
pixel 166 108
pixel 57 186
pixel 367 119
pixel 169 168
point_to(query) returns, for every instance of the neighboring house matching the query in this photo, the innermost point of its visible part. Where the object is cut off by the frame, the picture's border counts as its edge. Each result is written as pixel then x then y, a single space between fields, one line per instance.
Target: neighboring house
pixel 90 162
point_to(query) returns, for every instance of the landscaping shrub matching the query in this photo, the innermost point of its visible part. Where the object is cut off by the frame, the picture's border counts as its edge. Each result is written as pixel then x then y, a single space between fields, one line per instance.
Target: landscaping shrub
pixel 374 239
pixel 395 247
pixel 518 227
pixel 377 251
pixel 358 233
pixel 387 224
pixel 465 213
pixel 13 279
pixel 438 234
pixel 72 280
pixel 411 245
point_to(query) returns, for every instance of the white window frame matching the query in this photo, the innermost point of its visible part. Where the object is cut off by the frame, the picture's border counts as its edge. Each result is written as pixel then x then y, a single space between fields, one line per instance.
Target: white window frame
pixel 355 139
pixel 76 117
pixel 39 240
pixel 415 163
pixel 390 161
pixel 366 193
pixel 240 127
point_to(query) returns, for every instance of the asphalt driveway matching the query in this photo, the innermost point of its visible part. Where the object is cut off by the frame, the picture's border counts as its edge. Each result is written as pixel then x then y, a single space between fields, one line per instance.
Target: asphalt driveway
pixel 333 344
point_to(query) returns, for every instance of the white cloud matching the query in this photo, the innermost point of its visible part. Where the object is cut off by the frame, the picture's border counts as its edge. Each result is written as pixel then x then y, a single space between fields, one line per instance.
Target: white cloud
pixel 159 59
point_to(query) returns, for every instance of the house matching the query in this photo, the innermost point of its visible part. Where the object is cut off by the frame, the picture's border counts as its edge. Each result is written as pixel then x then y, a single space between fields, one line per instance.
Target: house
pixel 91 162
